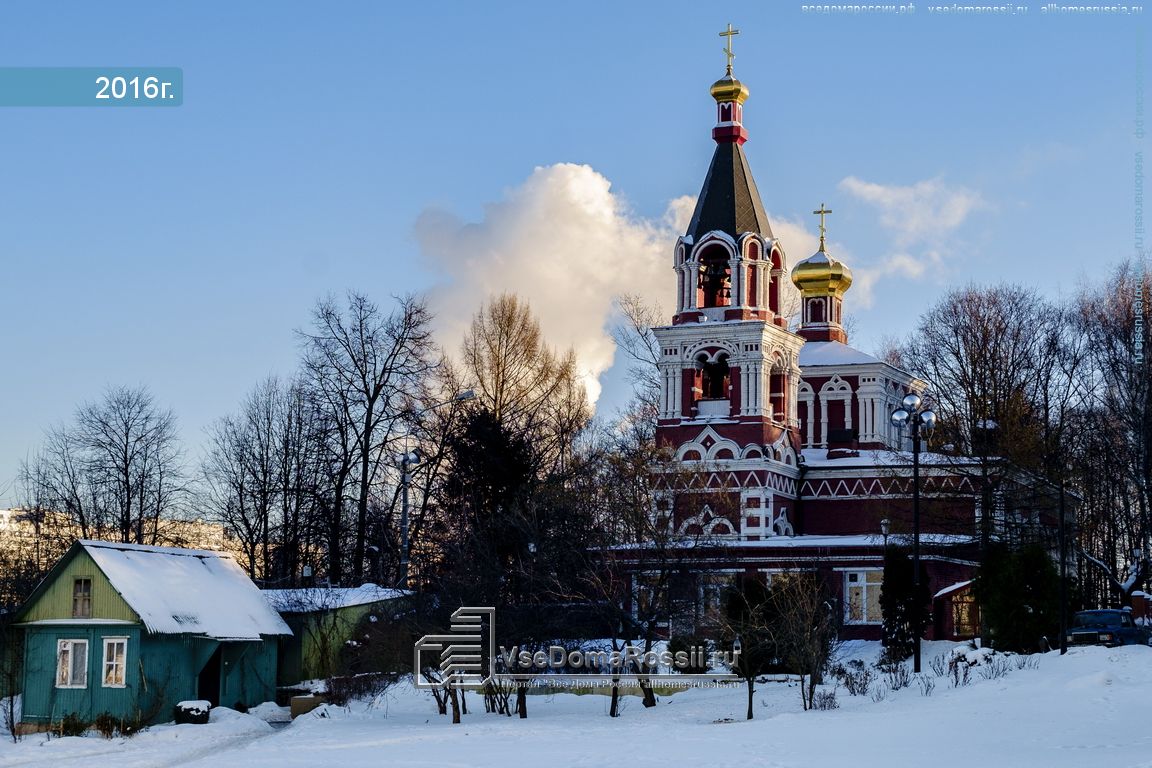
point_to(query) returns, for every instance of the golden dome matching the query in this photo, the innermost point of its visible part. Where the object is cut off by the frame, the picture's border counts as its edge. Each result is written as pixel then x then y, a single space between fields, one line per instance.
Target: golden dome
pixel 729 88
pixel 820 275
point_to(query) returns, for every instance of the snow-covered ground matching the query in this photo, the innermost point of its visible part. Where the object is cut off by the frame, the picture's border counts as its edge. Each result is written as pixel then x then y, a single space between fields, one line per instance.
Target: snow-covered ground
pixel 1085 709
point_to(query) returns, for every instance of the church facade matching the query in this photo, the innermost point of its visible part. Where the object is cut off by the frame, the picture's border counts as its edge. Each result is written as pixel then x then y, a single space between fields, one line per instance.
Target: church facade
pixel 784 454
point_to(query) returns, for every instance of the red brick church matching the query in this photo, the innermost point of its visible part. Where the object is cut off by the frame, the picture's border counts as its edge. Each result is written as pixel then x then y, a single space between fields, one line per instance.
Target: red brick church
pixel 787 456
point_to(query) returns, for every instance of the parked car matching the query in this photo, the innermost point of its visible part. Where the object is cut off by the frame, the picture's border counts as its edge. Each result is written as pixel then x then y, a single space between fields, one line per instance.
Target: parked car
pixel 1107 627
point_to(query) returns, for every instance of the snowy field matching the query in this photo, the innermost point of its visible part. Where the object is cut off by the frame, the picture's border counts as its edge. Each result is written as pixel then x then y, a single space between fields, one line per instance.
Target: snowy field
pixel 1088 708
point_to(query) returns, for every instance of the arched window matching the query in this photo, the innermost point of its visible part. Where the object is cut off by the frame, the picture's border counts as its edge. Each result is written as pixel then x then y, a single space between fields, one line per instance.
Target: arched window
pixel 714 378
pixel 816 310
pixel 777 388
pixel 774 283
pixel 715 280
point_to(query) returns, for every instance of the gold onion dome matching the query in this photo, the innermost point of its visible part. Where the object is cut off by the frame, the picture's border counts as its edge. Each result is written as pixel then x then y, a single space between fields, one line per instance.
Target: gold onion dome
pixel 728 88
pixel 821 274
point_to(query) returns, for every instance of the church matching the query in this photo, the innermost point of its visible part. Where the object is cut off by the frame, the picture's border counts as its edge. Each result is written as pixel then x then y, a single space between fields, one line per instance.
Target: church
pixel 785 455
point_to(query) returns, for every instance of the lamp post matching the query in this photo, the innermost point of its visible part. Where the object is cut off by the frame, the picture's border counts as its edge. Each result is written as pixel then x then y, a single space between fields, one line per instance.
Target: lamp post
pixel 1063 571
pixel 911 414
pixel 408 460
pixel 884 527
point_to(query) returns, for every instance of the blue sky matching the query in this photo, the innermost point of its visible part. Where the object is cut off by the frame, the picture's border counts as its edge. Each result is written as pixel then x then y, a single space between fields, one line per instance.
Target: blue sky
pixel 179 248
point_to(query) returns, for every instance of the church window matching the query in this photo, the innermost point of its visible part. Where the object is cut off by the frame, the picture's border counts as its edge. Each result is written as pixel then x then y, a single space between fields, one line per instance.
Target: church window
pixel 862 597
pixel 774 283
pixel 715 281
pixel 714 378
pixel 815 310
pixel 777 381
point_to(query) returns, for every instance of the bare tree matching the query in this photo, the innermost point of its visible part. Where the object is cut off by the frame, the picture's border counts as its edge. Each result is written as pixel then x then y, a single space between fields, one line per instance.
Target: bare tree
pixel 528 388
pixel 261 478
pixel 983 353
pixel 299 474
pixel 804 627
pixel 1113 464
pixel 360 362
pixel 633 336
pixel 116 471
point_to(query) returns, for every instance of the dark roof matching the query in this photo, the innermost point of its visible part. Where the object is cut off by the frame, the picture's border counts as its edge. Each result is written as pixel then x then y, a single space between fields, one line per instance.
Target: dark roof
pixel 729 200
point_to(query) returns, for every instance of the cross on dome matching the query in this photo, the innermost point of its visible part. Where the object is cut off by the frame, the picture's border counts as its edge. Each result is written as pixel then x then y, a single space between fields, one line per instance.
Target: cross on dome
pixel 822 212
pixel 729 33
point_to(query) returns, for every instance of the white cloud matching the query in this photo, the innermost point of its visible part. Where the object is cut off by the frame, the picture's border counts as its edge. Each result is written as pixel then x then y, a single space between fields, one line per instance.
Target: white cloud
pixel 679 213
pixel 922 217
pixel 563 241
pixel 923 212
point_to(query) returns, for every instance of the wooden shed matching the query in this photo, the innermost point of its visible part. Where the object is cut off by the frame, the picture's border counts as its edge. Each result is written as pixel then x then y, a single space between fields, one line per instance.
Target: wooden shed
pixel 323 620
pixel 130 630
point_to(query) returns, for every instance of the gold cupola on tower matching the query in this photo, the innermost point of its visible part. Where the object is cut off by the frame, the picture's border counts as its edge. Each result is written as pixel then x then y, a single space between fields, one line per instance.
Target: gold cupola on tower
pixel 729 89
pixel 822 281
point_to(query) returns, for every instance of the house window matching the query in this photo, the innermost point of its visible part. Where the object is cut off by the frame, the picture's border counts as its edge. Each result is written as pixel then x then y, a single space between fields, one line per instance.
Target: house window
pixel 862 597
pixel 82 598
pixel 71 663
pixel 115 653
pixel 964 615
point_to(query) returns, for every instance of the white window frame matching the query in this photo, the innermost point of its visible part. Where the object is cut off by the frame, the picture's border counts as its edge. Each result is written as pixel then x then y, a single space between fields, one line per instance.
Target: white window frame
pixel 85 597
pixel 105 662
pixel 70 645
pixel 862 581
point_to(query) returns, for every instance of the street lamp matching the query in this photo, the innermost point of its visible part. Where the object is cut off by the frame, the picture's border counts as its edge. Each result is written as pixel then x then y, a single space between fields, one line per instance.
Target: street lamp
pixel 884 528
pixel 911 414
pixel 406 461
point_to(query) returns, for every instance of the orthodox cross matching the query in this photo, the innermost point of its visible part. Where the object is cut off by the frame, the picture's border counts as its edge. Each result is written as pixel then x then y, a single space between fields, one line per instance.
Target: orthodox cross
pixel 730 33
pixel 822 212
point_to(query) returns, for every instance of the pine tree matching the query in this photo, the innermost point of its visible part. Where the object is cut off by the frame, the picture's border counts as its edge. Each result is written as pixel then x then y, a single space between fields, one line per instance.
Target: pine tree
pixel 898 603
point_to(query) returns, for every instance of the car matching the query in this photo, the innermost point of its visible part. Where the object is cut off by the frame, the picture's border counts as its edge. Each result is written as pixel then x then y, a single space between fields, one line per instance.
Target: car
pixel 1108 627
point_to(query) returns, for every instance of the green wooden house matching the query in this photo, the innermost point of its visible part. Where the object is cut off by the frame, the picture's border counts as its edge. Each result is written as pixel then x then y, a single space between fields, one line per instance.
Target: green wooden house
pixel 323 620
pixel 131 630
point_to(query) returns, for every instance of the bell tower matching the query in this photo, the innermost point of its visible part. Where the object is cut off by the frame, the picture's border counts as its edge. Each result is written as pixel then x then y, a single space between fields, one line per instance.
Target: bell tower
pixel 729 365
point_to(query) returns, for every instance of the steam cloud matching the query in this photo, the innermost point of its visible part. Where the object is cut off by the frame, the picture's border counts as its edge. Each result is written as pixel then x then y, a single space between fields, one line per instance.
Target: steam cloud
pixel 566 243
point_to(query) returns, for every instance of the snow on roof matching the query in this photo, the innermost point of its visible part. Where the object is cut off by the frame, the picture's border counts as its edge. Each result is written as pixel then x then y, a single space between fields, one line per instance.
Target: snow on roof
pixel 817 458
pixel 817 541
pixel 326 598
pixel 954 588
pixel 833 353
pixel 852 540
pixel 195 591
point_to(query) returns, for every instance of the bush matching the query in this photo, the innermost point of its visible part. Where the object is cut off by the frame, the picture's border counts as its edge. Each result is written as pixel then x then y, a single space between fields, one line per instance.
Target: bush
pixel 72 725
pixel 895 673
pixel 825 700
pixel 959 670
pixel 995 668
pixel 106 725
pixel 927 684
pixel 342 690
pixel 855 676
pixel 1026 662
